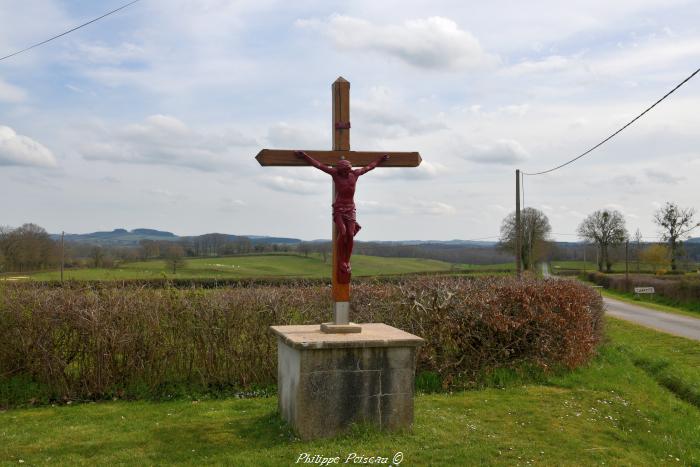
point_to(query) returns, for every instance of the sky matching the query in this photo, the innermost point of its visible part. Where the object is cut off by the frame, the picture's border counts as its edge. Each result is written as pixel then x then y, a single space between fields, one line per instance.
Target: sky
pixel 152 117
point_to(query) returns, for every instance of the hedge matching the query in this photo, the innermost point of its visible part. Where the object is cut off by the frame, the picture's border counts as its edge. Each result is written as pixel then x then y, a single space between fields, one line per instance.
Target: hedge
pixel 98 342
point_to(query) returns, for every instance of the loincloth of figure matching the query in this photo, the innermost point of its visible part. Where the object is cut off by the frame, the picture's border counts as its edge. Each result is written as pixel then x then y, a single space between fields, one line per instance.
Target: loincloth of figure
pixel 347 213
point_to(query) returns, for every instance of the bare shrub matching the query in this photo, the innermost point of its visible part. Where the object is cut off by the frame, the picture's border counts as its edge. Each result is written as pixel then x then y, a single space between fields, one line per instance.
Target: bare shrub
pixel 104 341
pixel 681 290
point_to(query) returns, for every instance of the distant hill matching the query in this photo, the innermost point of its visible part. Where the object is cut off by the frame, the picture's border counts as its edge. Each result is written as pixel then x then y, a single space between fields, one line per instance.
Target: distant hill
pixel 694 240
pixel 436 243
pixel 123 237
pixel 119 237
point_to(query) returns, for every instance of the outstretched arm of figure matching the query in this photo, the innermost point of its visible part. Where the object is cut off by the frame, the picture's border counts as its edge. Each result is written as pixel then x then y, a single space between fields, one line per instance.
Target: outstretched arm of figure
pixel 372 165
pixel 315 163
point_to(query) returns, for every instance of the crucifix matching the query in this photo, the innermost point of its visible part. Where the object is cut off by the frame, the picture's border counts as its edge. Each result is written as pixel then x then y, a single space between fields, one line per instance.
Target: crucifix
pixel 338 164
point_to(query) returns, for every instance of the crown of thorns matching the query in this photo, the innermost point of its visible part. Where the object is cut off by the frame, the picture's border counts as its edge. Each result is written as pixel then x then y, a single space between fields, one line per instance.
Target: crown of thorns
pixel 344 163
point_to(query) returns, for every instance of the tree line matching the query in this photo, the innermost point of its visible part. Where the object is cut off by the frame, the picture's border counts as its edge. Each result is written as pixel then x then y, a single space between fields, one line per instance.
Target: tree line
pixel 30 248
pixel 606 230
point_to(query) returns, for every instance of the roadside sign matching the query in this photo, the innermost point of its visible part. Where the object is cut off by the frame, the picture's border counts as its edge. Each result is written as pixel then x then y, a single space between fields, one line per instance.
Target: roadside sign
pixel 641 290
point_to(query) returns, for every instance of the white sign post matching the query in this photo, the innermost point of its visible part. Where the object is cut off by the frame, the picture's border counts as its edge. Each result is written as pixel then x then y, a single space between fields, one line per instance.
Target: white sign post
pixel 644 290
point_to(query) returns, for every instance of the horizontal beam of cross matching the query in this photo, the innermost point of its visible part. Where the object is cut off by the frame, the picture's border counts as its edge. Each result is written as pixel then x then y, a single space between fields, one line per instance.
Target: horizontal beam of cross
pixel 288 158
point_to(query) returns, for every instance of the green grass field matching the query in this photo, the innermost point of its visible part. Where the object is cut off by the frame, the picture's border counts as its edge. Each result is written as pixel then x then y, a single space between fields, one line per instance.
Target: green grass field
pixel 267 265
pixel 637 403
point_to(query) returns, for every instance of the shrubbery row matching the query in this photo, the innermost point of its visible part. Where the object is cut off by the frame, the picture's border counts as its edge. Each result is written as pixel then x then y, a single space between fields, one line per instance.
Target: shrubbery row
pixel 674 288
pixel 96 342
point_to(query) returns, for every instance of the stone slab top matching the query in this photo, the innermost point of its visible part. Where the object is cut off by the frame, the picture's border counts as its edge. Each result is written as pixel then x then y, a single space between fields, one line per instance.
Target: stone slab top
pixel 372 335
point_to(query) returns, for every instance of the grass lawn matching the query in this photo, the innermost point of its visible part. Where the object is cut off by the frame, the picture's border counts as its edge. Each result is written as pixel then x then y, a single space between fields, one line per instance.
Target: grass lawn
pixel 637 403
pixel 267 265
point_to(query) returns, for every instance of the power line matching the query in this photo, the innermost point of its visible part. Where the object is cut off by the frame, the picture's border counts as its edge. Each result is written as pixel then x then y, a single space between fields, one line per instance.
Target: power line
pixel 618 131
pixel 69 31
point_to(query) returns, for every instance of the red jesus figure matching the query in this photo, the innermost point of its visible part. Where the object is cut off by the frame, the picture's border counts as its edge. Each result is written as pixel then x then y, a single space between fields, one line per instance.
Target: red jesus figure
pixel 345 179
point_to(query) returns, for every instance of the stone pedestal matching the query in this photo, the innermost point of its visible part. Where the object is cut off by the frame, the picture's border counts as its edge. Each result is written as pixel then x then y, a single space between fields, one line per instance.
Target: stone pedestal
pixel 326 382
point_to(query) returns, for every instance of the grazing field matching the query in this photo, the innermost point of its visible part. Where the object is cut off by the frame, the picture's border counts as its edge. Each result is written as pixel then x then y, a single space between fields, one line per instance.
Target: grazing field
pixel 636 403
pixel 266 265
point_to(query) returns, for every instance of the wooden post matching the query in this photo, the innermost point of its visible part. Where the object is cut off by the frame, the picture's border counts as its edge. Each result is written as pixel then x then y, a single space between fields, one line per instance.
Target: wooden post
pixel 63 254
pixel 341 142
pixel 627 266
pixel 518 227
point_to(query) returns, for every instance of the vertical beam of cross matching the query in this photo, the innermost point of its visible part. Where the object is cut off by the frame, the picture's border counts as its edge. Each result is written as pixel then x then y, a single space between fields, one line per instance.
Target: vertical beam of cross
pixel 340 122
pixel 341 142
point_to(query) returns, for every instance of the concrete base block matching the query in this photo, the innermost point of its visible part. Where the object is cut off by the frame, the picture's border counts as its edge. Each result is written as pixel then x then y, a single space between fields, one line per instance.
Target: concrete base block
pixel 326 382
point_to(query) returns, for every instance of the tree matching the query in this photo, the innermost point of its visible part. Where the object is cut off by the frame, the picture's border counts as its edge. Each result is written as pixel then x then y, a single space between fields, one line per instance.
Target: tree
pixel 175 256
pixel 675 223
pixel 657 256
pixel 97 255
pixel 27 247
pixel 535 232
pixel 605 228
pixel 304 248
pixel 638 246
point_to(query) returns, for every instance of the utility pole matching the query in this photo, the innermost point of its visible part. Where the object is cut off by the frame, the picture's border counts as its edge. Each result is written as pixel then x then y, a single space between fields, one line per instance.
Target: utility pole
pixel 63 254
pixel 627 265
pixel 518 226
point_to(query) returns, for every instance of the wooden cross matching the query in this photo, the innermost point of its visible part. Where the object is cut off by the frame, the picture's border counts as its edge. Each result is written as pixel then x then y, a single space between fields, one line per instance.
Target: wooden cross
pixel 341 150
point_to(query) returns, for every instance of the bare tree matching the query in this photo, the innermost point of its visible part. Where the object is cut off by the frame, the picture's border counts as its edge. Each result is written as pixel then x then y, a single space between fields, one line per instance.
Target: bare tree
pixel 97 256
pixel 304 248
pixel 675 223
pixel 174 256
pixel 605 228
pixel 638 246
pixel 535 233
pixel 27 248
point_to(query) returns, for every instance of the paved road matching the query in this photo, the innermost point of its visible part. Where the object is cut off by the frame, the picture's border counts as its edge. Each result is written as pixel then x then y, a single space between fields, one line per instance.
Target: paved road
pixel 679 325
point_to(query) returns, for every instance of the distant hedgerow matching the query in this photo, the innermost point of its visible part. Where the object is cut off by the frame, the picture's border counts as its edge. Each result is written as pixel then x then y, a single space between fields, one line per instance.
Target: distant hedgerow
pixel 93 342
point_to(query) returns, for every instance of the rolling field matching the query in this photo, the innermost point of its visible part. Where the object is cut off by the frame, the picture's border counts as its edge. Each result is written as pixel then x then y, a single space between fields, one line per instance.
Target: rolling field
pixel 252 266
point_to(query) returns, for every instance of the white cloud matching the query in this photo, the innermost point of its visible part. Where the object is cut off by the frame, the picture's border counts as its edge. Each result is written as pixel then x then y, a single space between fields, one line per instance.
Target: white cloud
pixel 11 93
pixel 425 171
pixel 663 177
pixel 502 151
pixel 375 208
pixel 412 208
pixel 161 192
pixel 165 140
pixel 550 64
pixel 166 196
pixel 384 116
pixel 103 54
pixel 654 55
pixel 21 150
pixel 284 135
pixel 232 205
pixel 291 185
pixel 431 43
pixel 431 208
